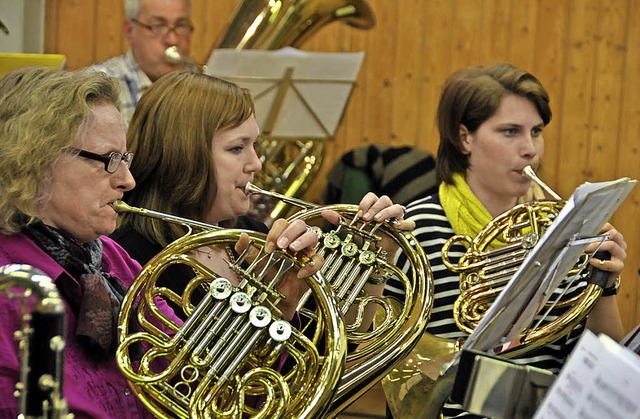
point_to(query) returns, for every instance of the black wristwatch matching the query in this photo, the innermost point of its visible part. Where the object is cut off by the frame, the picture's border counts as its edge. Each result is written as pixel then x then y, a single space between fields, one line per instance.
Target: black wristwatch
pixel 612 290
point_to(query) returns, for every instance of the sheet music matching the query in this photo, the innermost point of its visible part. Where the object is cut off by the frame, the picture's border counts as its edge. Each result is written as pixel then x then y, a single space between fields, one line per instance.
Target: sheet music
pixel 314 103
pixel 600 380
pixel 588 209
pixel 632 340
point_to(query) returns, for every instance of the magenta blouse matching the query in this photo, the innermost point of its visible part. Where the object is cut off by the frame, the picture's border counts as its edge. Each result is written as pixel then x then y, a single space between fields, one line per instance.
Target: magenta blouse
pixel 92 389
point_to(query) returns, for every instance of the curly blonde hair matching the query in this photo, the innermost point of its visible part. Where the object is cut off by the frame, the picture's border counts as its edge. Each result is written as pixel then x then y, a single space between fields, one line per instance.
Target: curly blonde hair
pixel 42 112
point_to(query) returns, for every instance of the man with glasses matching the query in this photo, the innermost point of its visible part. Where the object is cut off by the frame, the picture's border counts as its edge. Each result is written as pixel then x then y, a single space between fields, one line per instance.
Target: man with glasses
pixel 151 26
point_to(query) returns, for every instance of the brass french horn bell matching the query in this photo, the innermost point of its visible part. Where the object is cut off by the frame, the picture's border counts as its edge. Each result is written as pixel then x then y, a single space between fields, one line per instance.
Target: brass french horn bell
pixel 224 357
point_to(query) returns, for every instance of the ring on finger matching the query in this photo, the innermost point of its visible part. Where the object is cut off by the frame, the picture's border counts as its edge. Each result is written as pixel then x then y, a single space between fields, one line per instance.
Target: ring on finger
pixel 315 230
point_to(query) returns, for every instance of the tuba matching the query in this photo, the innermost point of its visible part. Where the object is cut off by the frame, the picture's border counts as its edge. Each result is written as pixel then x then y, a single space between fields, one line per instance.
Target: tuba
pixel 230 353
pixel 40 341
pixel 288 166
pixel 355 264
pixel 420 386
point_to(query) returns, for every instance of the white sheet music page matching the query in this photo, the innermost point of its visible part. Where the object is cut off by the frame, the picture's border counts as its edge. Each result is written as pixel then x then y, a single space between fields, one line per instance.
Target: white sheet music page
pixel 600 380
pixel 312 105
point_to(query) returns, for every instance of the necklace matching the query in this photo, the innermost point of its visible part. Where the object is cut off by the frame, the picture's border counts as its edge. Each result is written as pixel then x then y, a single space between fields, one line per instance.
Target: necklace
pixel 209 253
pixel 206 252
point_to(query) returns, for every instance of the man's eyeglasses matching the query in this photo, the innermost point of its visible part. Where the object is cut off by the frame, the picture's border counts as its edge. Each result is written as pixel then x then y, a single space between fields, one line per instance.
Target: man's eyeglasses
pixel 162 29
pixel 111 160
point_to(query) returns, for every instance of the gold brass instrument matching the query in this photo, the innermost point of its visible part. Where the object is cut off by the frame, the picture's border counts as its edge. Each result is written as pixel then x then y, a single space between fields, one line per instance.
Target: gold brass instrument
pixel 225 357
pixel 40 341
pixel 491 259
pixel 484 270
pixel 288 166
pixel 355 263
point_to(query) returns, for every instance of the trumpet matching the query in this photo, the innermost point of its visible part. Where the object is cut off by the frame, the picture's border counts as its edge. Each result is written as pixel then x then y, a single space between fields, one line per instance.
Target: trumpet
pixel 41 342
pixel 355 263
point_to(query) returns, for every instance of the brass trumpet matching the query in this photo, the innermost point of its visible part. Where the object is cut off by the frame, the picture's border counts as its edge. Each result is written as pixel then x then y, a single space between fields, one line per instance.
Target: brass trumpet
pixel 226 358
pixel 355 264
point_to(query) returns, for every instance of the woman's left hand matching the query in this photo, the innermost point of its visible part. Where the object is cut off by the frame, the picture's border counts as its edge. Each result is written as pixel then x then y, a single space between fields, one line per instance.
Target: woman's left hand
pixel 296 239
pixel 378 209
pixel 616 247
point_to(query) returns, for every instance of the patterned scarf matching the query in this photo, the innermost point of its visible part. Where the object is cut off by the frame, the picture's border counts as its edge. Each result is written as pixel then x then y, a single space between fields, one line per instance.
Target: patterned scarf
pixel 464 211
pixel 98 299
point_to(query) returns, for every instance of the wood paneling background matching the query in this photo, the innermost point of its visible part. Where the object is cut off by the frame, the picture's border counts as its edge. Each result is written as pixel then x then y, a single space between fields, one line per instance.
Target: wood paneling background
pixel 586 53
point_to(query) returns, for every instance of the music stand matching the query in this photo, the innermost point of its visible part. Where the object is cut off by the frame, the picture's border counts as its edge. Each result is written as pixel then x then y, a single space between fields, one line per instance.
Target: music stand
pixel 557 251
pixel 298 95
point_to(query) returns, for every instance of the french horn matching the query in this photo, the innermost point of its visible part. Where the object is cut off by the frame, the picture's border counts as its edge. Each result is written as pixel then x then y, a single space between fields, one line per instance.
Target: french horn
pixel 232 354
pixel 355 263
pixel 288 166
pixel 420 385
pixel 41 341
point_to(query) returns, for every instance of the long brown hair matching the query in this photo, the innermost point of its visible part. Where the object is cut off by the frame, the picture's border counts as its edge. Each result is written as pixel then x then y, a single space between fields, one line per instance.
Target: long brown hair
pixel 171 134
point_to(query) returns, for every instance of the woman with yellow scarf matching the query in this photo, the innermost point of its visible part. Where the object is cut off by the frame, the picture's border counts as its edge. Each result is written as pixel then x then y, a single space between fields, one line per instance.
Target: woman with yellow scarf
pixel 491 121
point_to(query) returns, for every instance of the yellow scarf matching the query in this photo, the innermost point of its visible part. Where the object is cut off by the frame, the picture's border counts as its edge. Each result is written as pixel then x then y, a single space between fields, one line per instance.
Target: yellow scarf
pixel 464 211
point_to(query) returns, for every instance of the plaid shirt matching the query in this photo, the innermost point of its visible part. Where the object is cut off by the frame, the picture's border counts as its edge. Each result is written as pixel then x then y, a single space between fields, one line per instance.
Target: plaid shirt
pixel 131 81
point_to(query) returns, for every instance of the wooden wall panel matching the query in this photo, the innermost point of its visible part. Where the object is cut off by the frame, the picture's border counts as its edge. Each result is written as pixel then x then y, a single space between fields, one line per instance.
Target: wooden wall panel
pixel 584 51
pixel 627 164
pixel 548 66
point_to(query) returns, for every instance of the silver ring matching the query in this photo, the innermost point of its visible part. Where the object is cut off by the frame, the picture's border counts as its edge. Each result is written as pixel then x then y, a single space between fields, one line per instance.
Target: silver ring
pixel 315 230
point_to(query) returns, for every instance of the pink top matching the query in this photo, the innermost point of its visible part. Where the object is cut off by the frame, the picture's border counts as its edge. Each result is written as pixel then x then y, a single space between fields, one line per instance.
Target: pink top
pixel 91 389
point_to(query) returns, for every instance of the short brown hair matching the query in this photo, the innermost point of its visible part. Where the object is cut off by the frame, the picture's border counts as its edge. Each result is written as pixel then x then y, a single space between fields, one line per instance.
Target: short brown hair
pixel 471 96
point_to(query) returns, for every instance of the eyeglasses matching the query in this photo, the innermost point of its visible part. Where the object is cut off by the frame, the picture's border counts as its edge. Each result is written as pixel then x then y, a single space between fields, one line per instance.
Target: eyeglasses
pixel 111 160
pixel 162 29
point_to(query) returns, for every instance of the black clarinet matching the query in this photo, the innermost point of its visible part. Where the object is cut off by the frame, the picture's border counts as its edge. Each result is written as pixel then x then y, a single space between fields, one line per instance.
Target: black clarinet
pixel 40 342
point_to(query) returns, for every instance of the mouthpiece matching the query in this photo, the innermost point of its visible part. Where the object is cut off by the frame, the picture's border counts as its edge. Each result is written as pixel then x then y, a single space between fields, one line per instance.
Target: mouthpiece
pixel 173 56
pixel 121 207
pixel 531 174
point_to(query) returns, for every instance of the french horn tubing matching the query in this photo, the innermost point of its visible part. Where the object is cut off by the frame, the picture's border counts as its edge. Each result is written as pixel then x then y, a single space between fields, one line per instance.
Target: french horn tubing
pixel 491 259
pixel 233 354
pixel 484 271
pixel 354 263
pixel 41 341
